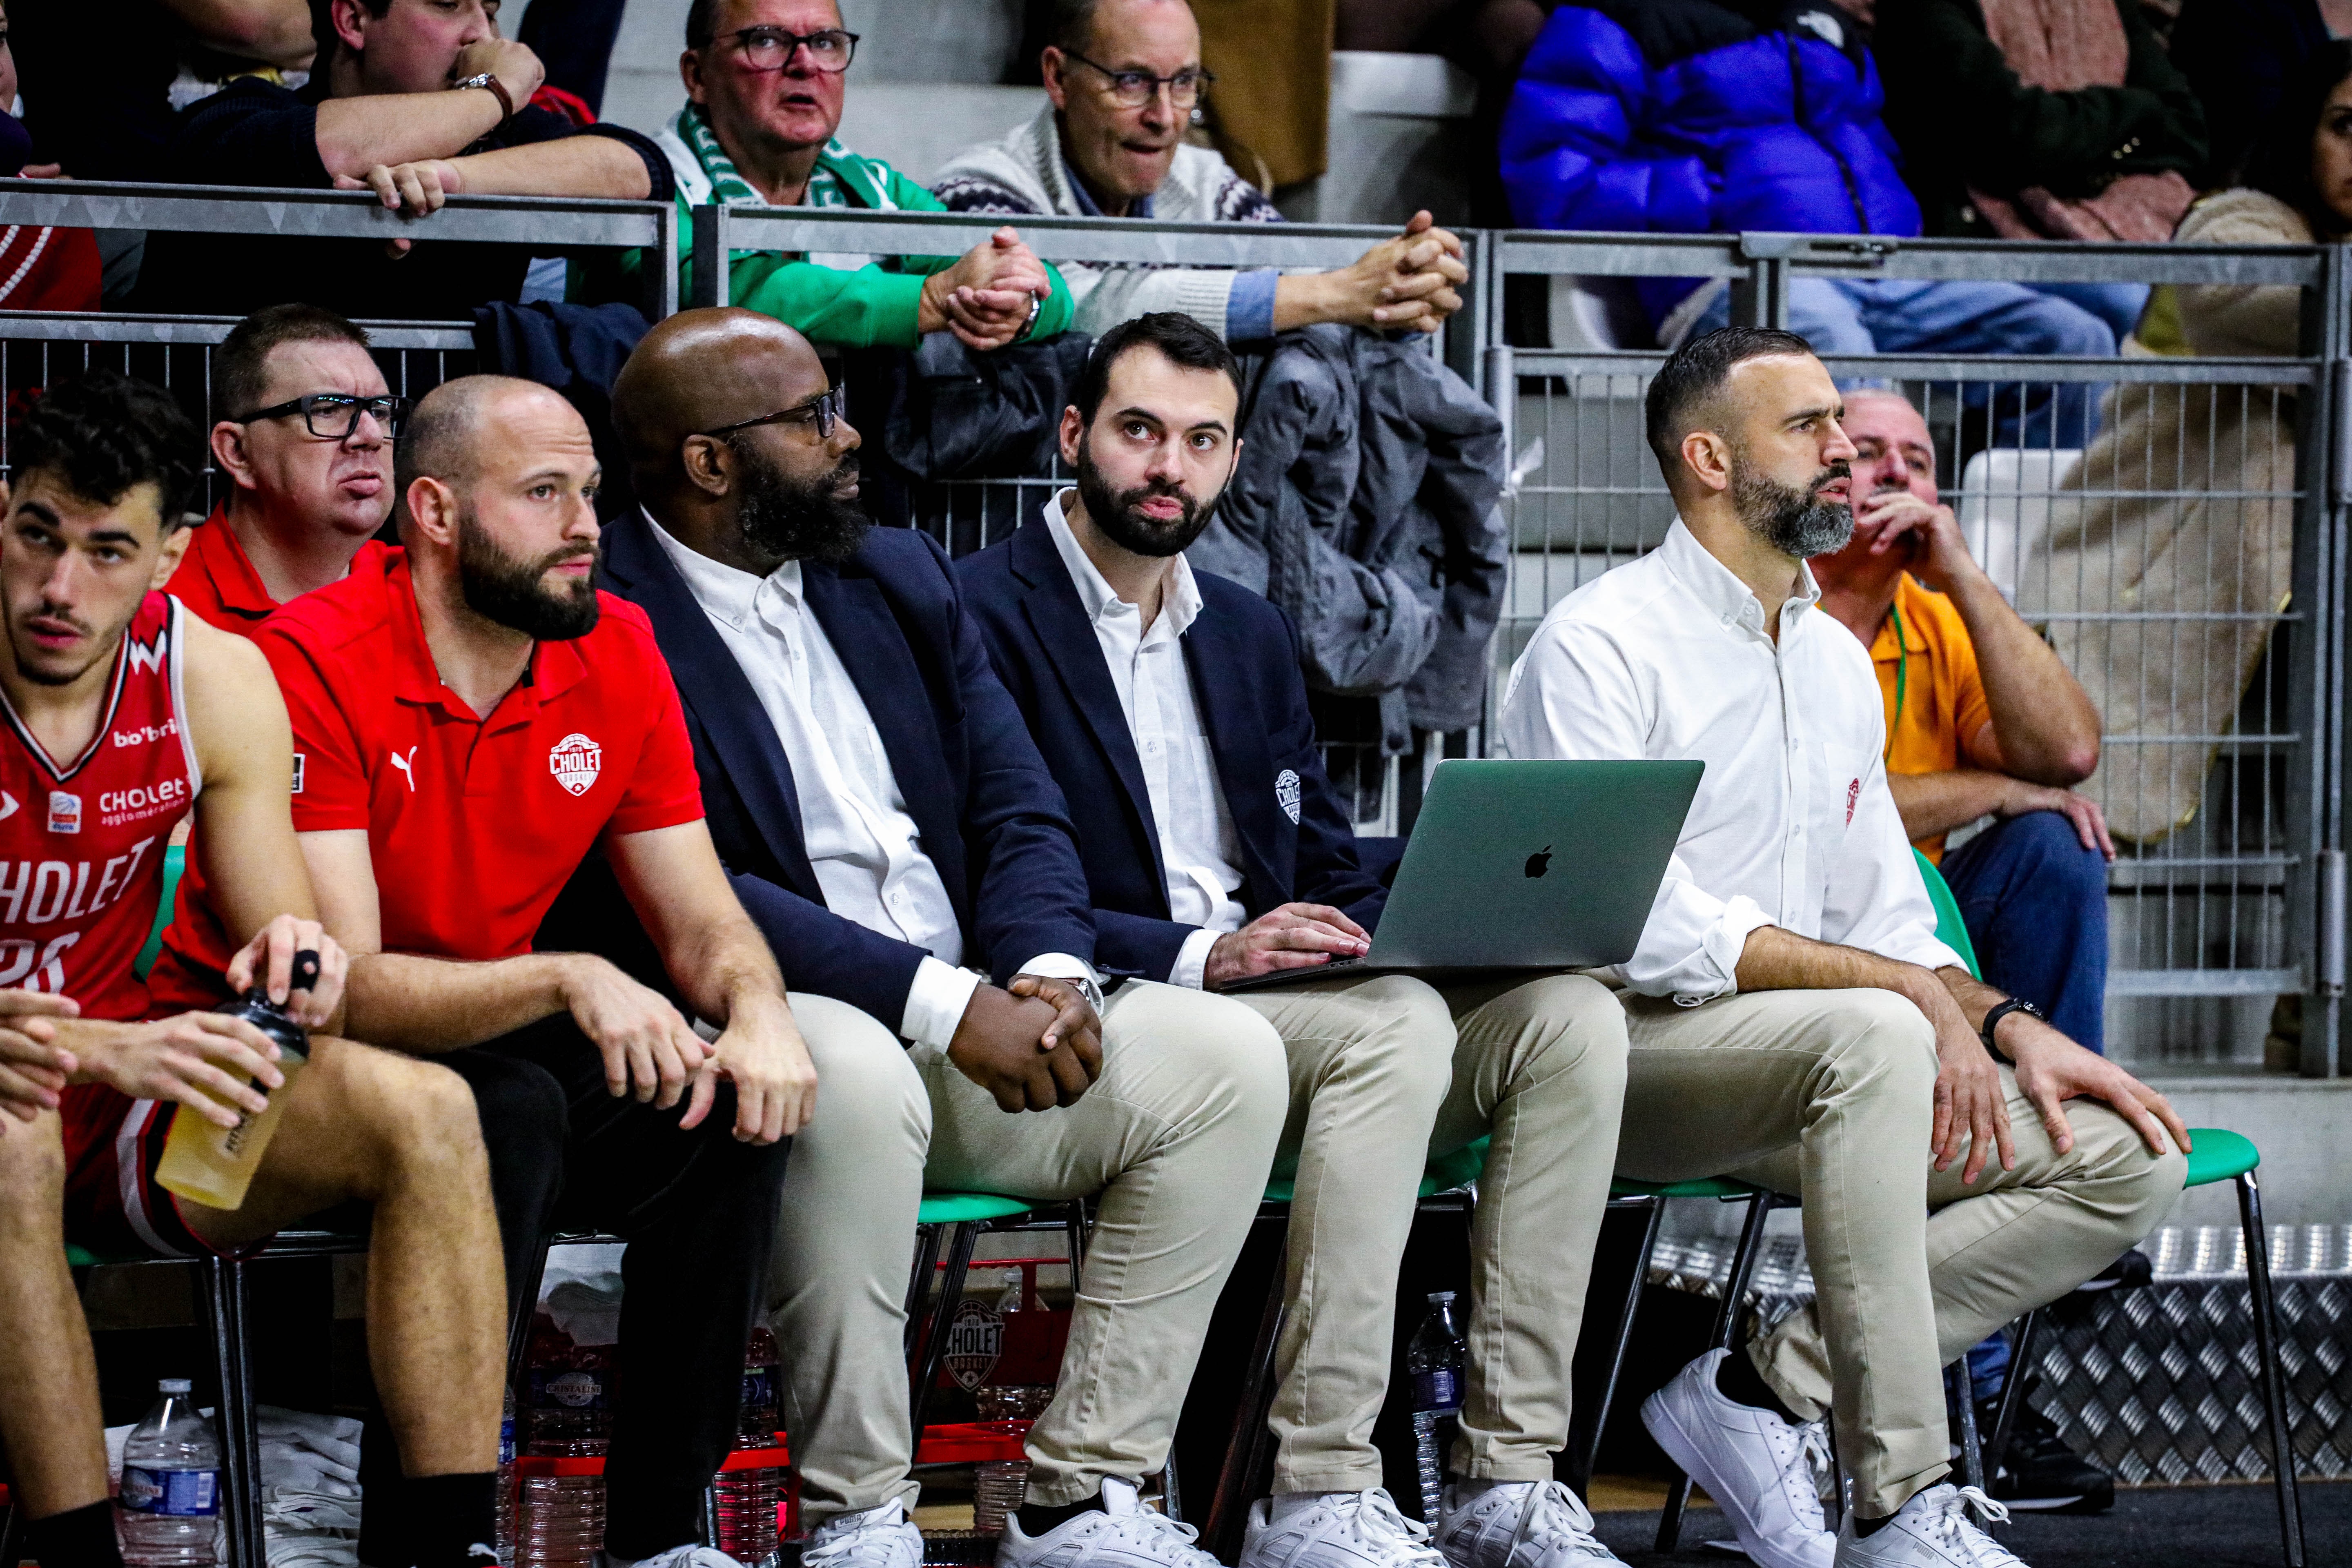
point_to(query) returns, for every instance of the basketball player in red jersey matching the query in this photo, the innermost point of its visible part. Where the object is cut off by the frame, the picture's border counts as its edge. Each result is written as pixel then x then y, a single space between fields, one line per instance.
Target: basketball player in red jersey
pixel 121 712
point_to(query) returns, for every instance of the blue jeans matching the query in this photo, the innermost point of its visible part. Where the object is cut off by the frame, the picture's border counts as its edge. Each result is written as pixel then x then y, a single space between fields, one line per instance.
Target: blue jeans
pixel 2035 903
pixel 1895 315
pixel 1989 1369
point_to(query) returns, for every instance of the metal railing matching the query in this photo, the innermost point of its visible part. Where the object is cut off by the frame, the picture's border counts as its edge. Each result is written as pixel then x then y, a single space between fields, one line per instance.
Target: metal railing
pixel 2214 915
pixel 551 225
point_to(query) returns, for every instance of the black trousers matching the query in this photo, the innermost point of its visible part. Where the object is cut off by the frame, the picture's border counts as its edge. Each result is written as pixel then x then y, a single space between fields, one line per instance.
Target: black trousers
pixel 524 1113
pixel 698 1210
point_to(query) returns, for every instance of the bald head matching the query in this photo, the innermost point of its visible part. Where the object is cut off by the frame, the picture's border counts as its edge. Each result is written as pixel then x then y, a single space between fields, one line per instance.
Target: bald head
pixel 704 370
pixel 735 445
pixel 454 423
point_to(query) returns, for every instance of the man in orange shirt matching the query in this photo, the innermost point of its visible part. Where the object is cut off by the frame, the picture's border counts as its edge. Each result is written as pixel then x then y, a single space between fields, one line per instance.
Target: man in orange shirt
pixel 304 436
pixel 1982 719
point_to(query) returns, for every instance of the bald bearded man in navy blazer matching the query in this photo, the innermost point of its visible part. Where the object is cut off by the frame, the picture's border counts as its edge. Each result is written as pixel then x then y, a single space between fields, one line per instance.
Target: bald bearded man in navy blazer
pixel 897 839
pixel 1169 704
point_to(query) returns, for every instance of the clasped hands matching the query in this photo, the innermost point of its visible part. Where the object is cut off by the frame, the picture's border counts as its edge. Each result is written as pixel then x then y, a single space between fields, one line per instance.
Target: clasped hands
pixel 1033 1045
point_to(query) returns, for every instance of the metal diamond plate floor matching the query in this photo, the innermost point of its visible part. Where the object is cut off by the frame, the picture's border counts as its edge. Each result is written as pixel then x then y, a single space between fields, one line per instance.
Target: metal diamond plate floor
pixel 2156 1385
pixel 2153 1527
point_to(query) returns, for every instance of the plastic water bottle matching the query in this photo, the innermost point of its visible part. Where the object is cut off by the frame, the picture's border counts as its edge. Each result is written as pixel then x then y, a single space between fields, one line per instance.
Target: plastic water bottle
pixel 748 1500
pixel 508 1448
pixel 560 1519
pixel 560 1522
pixel 571 1393
pixel 999 1487
pixel 170 1504
pixel 1435 1360
pixel 215 1165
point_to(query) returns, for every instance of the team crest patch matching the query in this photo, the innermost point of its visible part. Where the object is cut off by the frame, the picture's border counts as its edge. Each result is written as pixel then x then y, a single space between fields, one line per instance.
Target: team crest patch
pixel 1285 794
pixel 975 1341
pixel 576 761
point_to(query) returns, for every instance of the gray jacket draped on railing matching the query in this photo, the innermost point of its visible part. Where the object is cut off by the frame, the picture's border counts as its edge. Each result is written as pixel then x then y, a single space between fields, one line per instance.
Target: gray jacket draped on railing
pixel 1366 505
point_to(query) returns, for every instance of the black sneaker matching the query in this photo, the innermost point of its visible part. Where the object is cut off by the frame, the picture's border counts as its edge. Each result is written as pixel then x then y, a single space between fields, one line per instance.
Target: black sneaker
pixel 2129 1272
pixel 2040 1473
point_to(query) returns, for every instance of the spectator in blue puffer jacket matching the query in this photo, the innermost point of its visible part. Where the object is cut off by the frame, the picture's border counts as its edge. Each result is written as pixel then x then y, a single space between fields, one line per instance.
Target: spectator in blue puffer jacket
pixel 1710 116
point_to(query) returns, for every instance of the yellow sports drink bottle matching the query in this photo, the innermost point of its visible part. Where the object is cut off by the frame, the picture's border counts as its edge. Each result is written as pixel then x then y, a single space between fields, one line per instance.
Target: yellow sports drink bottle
pixel 214 1166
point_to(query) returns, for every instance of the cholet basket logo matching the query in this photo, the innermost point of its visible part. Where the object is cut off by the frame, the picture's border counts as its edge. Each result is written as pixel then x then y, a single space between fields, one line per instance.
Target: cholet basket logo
pixel 576 761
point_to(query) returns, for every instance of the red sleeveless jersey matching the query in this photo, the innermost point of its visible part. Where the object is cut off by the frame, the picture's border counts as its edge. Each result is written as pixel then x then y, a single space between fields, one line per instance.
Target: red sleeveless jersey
pixel 82 839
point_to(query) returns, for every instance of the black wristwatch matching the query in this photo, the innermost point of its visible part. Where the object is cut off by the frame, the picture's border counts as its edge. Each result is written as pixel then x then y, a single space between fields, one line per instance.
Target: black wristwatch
pixel 2002 1010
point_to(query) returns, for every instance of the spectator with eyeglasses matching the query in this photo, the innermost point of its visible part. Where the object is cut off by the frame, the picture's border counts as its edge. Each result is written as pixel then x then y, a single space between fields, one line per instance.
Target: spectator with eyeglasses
pixel 764 90
pixel 303 442
pixel 418 100
pixel 1124 82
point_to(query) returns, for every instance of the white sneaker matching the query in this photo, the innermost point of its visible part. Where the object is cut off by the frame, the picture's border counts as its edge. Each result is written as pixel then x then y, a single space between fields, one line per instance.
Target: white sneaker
pixel 1126 1535
pixel 1762 1472
pixel 693 1554
pixel 1336 1530
pixel 1932 1531
pixel 1519 1524
pixel 880 1537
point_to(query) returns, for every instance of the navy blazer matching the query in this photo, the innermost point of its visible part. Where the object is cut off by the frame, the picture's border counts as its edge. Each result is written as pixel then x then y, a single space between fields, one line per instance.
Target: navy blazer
pixel 989 813
pixel 1296 841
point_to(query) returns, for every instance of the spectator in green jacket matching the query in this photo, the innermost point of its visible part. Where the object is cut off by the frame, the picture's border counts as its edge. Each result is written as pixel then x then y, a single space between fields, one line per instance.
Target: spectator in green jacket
pixel 763 89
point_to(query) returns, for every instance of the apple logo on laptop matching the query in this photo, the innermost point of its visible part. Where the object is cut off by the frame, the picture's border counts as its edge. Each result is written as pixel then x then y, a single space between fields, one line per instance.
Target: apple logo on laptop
pixel 1539 862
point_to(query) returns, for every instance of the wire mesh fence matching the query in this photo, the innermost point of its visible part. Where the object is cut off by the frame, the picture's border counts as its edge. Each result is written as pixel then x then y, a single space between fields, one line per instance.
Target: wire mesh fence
pixel 176 354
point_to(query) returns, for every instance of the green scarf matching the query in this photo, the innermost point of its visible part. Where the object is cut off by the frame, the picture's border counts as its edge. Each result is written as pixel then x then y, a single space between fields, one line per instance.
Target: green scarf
pixel 841 178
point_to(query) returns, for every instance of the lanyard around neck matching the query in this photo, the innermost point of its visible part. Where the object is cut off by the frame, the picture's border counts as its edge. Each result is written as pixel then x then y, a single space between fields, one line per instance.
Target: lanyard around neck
pixel 1902 672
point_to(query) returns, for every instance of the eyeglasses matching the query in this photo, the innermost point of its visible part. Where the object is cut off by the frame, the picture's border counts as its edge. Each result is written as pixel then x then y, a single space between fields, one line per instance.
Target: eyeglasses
pixel 772 48
pixel 334 415
pixel 1133 90
pixel 824 412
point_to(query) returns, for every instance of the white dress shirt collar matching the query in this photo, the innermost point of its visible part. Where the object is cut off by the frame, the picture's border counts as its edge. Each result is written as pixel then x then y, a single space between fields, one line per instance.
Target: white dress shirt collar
pixel 1719 589
pixel 861 841
pixel 1180 600
pixel 726 593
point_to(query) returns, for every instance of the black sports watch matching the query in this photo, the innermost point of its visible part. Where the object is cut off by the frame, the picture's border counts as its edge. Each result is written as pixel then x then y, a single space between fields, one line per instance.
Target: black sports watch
pixel 2002 1010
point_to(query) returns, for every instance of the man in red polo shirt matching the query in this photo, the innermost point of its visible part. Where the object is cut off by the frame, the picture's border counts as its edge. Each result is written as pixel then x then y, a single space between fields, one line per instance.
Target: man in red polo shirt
pixel 306 444
pixel 308 457
pixel 473 720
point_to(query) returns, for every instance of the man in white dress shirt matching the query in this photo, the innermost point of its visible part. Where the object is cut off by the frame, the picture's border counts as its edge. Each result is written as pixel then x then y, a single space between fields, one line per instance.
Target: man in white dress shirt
pixel 890 827
pixel 1790 1013
pixel 1170 705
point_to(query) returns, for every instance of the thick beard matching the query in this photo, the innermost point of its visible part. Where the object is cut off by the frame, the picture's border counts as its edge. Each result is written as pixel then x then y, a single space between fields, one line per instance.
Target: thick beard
pixel 499 588
pixel 786 518
pixel 1127 526
pixel 1797 522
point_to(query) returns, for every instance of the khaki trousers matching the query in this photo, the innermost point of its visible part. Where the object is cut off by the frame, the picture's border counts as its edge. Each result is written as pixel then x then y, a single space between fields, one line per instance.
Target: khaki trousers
pixel 1176 1136
pixel 1829 1095
pixel 1386 1071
